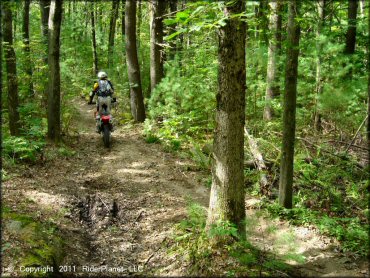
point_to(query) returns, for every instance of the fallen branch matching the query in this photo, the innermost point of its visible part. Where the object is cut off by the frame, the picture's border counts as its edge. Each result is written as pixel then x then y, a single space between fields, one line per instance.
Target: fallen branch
pixel 258 159
pixel 137 218
pixel 358 130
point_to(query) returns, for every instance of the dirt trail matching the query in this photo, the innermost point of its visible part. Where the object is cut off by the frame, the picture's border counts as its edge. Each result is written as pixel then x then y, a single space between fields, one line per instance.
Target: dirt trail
pixel 119 206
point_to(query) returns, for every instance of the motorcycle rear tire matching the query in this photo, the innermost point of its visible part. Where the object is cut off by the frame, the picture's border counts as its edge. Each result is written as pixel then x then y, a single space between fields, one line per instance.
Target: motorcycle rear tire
pixel 106 136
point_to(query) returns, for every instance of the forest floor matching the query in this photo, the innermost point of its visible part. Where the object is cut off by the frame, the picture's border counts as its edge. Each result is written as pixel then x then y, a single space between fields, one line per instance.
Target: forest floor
pixel 116 208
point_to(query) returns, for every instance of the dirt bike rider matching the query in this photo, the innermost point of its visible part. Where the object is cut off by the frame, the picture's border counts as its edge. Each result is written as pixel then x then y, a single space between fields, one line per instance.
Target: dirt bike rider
pixel 103 88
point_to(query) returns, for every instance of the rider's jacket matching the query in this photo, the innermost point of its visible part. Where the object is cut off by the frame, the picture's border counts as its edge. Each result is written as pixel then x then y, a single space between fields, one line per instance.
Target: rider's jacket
pixel 103 88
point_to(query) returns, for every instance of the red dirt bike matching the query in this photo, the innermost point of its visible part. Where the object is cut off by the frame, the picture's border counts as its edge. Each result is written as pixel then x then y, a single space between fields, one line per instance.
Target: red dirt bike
pixel 105 126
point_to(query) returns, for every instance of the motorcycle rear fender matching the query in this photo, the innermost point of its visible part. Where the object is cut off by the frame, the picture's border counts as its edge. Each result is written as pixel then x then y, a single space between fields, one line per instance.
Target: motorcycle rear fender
pixel 105 119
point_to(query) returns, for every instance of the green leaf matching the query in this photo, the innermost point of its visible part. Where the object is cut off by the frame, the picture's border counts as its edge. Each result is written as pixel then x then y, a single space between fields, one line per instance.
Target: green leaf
pixel 182 16
pixel 170 21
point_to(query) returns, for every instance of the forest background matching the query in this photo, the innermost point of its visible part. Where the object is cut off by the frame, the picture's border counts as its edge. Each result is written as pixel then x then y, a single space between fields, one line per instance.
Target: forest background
pixel 330 188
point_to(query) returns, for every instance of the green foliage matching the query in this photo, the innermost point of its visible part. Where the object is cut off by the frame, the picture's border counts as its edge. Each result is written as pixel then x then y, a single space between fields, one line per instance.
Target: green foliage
pixel 181 107
pixel 21 148
pixel 223 229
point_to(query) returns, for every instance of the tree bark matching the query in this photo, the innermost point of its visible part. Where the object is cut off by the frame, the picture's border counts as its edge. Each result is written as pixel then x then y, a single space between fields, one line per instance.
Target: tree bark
pixel 44 7
pixel 11 70
pixel 54 117
pixel 136 94
pixel 227 192
pixel 112 31
pixel 351 31
pixel 272 86
pixel 319 45
pixel 95 54
pixel 287 157
pixel 26 40
pixel 156 41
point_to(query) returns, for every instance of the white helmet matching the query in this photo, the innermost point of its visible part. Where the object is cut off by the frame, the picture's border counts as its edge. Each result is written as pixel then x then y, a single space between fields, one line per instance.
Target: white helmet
pixel 102 75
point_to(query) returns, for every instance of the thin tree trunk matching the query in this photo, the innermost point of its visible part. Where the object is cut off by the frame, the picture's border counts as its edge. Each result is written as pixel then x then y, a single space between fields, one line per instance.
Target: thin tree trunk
pixel 272 86
pixel 172 29
pixel 156 41
pixel 319 45
pixel 351 31
pixel 95 54
pixel 136 94
pixel 227 192
pixel 100 18
pixel 263 21
pixel 287 153
pixel 54 117
pixel 112 31
pixel 44 7
pixel 11 70
pixel 123 20
pixel 279 36
pixel 180 46
pixel 26 40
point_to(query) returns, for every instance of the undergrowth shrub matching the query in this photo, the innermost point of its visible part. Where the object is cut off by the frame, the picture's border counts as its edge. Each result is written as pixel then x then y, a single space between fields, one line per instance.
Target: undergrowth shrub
pixel 21 148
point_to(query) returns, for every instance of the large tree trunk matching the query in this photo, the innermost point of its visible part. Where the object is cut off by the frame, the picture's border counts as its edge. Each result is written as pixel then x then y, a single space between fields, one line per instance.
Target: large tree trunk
pixel 44 7
pixel 272 86
pixel 112 31
pixel 351 31
pixel 136 94
pixel 287 153
pixel 26 41
pixel 11 70
pixel 227 192
pixel 93 40
pixel 156 41
pixel 319 45
pixel 54 117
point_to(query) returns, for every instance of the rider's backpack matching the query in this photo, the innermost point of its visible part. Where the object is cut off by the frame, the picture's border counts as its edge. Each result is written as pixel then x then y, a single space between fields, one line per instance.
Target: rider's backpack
pixel 105 88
